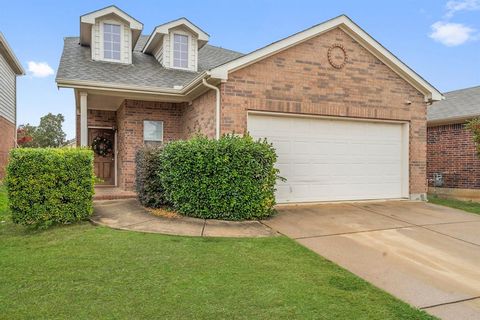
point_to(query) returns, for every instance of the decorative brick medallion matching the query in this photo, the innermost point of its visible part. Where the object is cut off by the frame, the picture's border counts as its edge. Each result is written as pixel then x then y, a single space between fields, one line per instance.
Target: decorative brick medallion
pixel 337 56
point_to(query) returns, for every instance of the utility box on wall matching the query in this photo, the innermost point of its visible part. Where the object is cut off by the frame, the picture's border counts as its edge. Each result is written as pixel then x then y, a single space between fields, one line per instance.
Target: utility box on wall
pixel 438 179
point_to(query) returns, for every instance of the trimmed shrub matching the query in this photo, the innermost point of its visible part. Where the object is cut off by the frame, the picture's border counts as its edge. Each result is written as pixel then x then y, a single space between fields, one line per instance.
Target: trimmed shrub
pixel 50 186
pixel 232 178
pixel 147 180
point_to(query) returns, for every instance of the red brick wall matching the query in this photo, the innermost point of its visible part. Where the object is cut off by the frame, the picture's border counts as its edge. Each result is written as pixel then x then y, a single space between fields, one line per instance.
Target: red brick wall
pixel 199 117
pixel 301 80
pixel 98 118
pixel 101 118
pixel 7 142
pixel 451 151
pixel 130 117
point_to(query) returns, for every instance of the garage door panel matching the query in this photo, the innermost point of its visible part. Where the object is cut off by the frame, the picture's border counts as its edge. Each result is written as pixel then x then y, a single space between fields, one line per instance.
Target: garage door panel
pixel 331 159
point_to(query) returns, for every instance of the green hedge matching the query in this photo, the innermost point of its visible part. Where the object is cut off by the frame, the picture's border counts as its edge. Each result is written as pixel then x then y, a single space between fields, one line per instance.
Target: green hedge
pixel 232 178
pixel 148 183
pixel 50 186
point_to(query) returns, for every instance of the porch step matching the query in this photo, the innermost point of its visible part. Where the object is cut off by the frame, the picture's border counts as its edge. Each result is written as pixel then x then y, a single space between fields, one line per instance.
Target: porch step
pixel 112 193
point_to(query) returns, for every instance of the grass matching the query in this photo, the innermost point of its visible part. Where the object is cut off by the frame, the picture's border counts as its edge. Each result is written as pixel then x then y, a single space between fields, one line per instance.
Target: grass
pixel 469 206
pixel 87 272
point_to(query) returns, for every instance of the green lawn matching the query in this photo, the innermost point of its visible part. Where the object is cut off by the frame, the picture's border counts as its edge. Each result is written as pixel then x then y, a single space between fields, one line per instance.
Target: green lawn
pixel 469 206
pixel 87 272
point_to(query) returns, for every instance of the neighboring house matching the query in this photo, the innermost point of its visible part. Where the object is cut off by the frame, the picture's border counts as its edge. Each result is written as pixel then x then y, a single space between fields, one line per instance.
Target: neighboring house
pixel 10 68
pixel 452 163
pixel 72 143
pixel 348 118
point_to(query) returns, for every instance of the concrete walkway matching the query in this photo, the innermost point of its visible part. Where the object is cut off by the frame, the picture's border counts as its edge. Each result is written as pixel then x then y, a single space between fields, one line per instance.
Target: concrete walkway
pixel 128 214
pixel 424 254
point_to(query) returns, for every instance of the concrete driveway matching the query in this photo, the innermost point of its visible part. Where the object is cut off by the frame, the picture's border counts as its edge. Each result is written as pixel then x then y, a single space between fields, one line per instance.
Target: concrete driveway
pixel 424 254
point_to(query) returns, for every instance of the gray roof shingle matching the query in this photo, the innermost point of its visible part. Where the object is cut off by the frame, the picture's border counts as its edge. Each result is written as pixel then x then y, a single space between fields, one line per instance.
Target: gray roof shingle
pixel 464 103
pixel 145 71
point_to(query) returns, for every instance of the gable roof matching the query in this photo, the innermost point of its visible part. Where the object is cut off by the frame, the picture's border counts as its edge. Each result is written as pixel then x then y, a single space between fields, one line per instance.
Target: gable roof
pixel 88 19
pixel 458 106
pixel 352 29
pixel 163 29
pixel 145 72
pixel 12 60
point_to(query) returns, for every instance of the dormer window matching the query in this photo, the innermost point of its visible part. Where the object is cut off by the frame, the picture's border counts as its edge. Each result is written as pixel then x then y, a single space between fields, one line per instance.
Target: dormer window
pixel 175 44
pixel 111 41
pixel 180 51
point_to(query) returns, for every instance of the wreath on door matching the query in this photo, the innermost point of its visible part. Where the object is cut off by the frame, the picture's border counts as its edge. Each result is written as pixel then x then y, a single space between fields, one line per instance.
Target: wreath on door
pixel 102 146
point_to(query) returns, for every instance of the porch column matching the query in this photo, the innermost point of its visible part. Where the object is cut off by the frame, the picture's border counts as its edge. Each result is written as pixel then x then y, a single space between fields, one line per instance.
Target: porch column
pixel 83 120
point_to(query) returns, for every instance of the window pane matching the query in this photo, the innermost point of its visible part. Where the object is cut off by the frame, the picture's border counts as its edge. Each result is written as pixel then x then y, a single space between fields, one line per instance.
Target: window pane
pixel 152 130
pixel 180 51
pixel 111 41
pixel 115 28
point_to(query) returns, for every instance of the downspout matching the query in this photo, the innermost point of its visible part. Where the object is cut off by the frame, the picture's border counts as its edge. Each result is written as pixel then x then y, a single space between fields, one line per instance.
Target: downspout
pixel 217 107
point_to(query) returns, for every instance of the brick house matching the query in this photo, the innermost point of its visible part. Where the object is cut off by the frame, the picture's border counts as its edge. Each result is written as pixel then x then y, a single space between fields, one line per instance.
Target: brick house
pixel 453 167
pixel 347 118
pixel 10 68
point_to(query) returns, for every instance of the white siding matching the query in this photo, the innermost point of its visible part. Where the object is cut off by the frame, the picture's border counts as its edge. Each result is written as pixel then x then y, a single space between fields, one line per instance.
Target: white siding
pixel 193 53
pixel 166 51
pixel 192 49
pixel 97 41
pixel 7 91
pixel 158 54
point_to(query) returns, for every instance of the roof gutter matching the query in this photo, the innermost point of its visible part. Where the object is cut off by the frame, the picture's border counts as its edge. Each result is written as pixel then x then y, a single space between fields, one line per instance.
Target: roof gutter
pixel 452 120
pixel 82 84
pixel 217 107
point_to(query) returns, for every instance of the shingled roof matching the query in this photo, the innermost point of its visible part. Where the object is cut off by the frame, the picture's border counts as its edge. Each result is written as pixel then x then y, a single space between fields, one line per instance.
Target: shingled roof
pixel 458 105
pixel 76 64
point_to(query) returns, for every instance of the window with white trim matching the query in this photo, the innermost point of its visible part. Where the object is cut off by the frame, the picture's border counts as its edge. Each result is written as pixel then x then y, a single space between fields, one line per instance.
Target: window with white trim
pixel 152 131
pixel 111 41
pixel 180 51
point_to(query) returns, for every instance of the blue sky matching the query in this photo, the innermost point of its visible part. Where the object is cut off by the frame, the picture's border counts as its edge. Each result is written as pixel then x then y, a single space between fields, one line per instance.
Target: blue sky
pixel 438 39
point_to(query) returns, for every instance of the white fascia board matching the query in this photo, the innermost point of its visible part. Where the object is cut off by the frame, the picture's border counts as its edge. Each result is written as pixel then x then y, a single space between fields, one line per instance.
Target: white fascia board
pixel 90 18
pixel 164 29
pixel 431 93
pixel 10 56
pixel 82 84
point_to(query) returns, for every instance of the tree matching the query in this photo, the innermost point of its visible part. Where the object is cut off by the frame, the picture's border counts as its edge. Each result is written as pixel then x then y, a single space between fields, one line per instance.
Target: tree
pixel 25 135
pixel 49 133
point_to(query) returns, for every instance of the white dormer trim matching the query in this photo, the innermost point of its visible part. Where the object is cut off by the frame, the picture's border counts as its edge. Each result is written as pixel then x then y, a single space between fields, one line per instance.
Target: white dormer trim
pixel 192 48
pixel 89 20
pixel 91 17
pixel 125 55
pixel 164 29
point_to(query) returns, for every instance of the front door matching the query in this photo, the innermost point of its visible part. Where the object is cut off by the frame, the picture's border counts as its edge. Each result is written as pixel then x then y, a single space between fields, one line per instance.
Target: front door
pixel 102 142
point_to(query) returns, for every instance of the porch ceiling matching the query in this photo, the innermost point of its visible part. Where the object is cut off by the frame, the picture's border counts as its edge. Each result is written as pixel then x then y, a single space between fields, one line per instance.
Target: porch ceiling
pixel 111 100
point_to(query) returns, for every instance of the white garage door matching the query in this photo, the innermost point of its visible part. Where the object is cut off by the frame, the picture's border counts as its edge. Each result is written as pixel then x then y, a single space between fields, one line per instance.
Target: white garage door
pixel 330 159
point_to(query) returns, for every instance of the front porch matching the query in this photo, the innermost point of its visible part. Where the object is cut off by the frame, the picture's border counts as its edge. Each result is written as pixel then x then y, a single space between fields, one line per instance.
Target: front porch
pixel 124 125
pixel 112 193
